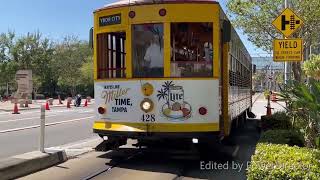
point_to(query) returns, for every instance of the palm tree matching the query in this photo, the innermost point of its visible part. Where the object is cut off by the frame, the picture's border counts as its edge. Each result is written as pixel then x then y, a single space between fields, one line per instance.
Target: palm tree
pixel 162 94
pixel 166 87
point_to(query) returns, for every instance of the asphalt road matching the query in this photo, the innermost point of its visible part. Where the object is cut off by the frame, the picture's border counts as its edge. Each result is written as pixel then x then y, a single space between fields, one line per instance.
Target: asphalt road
pixel 20 133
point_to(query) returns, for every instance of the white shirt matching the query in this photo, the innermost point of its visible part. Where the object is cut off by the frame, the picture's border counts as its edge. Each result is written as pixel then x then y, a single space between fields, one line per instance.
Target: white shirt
pixel 208 51
pixel 154 55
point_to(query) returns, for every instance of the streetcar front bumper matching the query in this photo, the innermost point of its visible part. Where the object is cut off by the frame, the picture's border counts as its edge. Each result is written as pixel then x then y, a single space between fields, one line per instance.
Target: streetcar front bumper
pixel 156 130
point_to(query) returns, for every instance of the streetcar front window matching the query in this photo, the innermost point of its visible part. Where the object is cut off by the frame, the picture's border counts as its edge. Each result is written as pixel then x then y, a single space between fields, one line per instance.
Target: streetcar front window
pixel 191 49
pixel 147 50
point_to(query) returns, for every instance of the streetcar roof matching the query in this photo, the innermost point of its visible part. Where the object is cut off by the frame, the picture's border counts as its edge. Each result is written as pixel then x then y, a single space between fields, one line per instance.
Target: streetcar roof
pixel 122 3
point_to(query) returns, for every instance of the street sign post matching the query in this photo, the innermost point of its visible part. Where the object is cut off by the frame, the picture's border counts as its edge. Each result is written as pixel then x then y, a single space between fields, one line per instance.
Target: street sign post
pixel 287 50
pixel 287 22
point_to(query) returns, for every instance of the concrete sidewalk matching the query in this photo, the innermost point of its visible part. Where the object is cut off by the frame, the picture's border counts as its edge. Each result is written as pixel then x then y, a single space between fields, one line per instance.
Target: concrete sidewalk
pixel 36 104
pixel 24 164
pixel 259 106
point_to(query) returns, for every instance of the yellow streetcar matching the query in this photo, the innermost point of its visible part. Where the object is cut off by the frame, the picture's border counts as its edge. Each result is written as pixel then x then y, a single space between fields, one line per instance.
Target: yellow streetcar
pixel 168 69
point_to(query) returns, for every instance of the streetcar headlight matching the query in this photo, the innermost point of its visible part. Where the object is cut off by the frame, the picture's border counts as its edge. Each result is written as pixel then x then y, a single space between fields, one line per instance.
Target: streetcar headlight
pixel 146 105
pixel 195 140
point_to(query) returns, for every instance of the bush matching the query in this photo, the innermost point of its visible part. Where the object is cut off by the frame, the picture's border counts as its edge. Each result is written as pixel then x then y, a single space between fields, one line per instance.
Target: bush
pixel 290 137
pixel 279 120
pixel 274 161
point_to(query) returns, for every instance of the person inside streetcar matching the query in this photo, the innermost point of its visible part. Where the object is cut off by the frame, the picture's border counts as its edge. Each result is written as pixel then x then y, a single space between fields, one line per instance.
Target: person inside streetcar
pixel 154 57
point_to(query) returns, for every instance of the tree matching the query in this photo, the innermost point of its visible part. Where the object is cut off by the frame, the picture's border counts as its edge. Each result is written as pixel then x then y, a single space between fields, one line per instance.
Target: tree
pixel 254 18
pixel 65 65
pixel 87 76
pixel 258 78
pixel 87 70
pixel 69 57
pixel 312 67
pixel 7 66
pixel 27 52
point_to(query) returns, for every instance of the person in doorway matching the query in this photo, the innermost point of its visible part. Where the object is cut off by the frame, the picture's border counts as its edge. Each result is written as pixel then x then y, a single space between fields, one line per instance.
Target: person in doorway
pixel 154 58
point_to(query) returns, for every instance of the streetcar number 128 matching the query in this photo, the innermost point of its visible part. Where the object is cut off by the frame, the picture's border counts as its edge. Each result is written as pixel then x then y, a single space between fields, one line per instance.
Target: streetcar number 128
pixel 148 118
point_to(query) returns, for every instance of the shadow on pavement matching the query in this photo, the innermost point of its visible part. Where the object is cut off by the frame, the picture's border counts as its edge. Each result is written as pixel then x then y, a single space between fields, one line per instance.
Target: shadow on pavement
pixel 219 161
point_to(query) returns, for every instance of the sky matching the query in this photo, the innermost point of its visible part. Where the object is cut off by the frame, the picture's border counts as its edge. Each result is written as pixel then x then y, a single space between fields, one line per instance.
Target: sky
pixel 58 18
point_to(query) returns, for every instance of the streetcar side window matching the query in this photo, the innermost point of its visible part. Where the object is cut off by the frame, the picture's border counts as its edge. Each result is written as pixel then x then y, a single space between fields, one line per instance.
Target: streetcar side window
pixel 191 49
pixel 147 50
pixel 111 55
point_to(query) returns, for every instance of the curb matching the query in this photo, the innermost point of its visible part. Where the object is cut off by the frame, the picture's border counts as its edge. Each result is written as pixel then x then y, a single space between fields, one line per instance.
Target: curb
pixel 32 108
pixel 11 110
pixel 21 165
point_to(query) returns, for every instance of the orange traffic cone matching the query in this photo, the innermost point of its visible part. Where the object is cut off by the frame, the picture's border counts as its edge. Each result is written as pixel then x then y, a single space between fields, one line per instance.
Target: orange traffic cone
pixel 68 104
pixel 47 106
pixel 15 109
pixel 85 103
pixel 269 107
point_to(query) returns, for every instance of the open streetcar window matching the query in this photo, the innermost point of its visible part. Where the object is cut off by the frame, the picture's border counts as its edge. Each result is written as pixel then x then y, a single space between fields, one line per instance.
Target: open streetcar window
pixel 111 55
pixel 147 50
pixel 191 49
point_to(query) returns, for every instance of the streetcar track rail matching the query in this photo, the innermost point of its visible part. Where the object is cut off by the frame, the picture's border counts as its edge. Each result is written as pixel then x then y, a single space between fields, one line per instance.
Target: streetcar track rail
pixel 103 170
pixel 180 174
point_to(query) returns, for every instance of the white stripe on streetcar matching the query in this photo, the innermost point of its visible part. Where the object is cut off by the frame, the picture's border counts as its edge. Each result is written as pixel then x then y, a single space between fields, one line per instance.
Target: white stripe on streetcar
pixel 49 124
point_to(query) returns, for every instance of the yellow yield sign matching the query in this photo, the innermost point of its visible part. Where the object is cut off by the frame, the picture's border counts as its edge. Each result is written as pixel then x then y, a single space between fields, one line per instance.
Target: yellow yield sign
pixel 287 50
pixel 287 22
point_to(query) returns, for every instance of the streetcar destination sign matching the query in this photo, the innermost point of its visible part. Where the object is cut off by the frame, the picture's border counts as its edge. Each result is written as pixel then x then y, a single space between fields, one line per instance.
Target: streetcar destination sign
pixel 110 20
pixel 287 50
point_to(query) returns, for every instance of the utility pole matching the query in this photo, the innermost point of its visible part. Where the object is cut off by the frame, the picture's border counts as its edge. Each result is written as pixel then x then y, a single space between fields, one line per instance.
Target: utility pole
pixel 286 64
